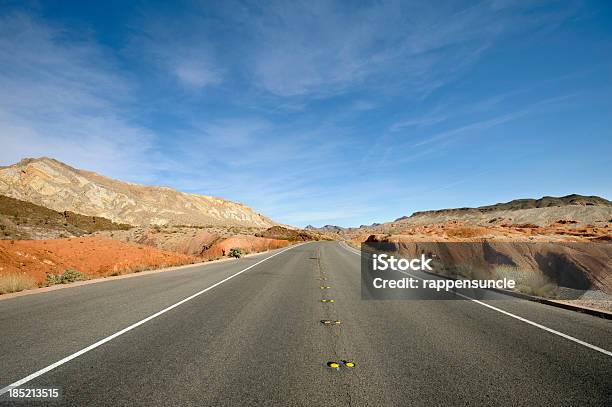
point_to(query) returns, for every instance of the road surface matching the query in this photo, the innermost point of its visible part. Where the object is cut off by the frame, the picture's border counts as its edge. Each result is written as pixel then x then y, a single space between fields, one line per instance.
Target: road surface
pixel 256 339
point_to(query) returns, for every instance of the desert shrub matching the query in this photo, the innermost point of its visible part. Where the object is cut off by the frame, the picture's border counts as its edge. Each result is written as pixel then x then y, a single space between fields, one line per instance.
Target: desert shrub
pixel 462 271
pixel 531 282
pixel 12 283
pixel 68 276
pixel 132 269
pixel 51 279
pixel 235 252
pixel 139 268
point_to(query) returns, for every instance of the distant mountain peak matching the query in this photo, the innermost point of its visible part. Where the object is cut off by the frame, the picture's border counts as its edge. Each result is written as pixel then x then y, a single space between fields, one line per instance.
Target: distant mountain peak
pixel 528 203
pixel 53 184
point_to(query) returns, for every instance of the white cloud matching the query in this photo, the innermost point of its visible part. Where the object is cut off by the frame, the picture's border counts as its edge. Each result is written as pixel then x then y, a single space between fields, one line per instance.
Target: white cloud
pixel 363 105
pixel 534 108
pixel 323 48
pixel 304 50
pixel 197 75
pixel 61 99
pixel 427 120
pixel 180 48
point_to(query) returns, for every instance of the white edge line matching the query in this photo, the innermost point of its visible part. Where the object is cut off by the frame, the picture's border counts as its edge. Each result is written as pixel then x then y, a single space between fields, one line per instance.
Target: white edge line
pixel 545 328
pixel 129 328
pixel 97 280
pixel 349 248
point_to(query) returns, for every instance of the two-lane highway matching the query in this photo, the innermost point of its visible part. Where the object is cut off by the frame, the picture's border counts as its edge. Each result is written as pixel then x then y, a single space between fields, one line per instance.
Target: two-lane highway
pixel 249 332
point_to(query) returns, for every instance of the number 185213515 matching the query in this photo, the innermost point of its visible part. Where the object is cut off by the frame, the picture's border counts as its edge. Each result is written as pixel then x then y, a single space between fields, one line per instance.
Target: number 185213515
pixel 20 393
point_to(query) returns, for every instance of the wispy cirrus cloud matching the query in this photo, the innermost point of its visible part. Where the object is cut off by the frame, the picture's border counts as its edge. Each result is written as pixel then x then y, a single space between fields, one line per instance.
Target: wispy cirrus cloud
pixel 298 109
pixel 314 50
pixel 66 96
pixel 549 104
pixel 179 46
pixel 307 49
pixel 195 74
pixel 63 98
pixel 421 121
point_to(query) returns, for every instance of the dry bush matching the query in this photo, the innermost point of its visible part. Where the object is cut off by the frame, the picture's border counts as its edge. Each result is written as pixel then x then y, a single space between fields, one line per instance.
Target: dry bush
pixel 12 283
pixel 68 276
pixel 531 282
pixel 236 252
pixel 139 268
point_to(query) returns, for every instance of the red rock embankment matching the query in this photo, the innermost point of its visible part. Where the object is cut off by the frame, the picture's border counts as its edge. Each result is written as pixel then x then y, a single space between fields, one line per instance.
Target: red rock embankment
pixel 206 244
pixel 92 256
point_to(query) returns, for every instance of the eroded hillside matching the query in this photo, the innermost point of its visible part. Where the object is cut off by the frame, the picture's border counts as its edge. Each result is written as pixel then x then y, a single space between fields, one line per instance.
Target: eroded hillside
pixel 57 186
pixel 22 220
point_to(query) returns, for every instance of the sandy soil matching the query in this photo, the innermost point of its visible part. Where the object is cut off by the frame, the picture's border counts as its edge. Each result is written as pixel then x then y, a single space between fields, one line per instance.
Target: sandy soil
pixel 92 256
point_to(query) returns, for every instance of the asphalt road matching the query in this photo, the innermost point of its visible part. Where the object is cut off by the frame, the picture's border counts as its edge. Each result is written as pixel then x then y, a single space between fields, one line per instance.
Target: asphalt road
pixel 257 339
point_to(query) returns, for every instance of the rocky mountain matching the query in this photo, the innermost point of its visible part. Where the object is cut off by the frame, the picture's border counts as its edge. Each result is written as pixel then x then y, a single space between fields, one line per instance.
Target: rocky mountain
pixel 572 217
pixel 541 212
pixel 518 204
pixel 55 185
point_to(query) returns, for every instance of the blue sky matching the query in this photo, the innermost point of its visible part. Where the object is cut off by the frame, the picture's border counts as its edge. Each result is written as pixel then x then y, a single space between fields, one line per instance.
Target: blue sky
pixel 315 112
